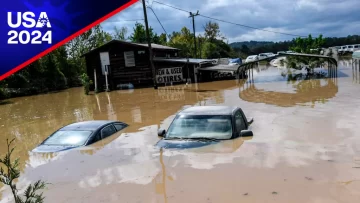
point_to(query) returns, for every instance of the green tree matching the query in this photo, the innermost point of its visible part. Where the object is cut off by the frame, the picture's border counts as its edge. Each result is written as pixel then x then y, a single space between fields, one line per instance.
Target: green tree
pixel 305 45
pixel 183 40
pixel 55 79
pixel 120 34
pixel 210 51
pixel 139 35
pixel 212 31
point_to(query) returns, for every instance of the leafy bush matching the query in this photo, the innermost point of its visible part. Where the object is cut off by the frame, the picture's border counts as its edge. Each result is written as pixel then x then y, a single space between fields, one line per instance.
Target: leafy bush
pixel 86 82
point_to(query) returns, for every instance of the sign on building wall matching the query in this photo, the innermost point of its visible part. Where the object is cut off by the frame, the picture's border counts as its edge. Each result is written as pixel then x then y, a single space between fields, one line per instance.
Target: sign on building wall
pixel 168 75
pixel 129 58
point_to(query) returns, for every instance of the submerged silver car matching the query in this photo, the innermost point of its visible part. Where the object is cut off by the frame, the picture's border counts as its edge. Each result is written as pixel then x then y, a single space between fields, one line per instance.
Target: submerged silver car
pixel 205 124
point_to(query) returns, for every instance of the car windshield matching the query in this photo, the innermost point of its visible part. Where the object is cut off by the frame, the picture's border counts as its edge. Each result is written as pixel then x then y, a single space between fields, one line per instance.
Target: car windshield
pixel 201 126
pixel 63 137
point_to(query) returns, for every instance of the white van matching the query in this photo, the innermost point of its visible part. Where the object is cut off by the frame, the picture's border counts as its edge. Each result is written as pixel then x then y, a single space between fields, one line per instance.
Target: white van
pixel 349 49
pixel 342 49
pixel 356 47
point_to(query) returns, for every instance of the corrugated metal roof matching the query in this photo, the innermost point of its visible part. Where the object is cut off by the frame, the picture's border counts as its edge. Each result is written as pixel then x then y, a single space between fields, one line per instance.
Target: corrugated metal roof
pixel 220 67
pixel 184 60
pixel 156 46
pixel 153 46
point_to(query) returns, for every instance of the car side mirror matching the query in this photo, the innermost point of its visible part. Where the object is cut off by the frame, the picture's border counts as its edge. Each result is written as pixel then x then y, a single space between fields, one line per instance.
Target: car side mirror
pixel 250 121
pixel 246 133
pixel 161 132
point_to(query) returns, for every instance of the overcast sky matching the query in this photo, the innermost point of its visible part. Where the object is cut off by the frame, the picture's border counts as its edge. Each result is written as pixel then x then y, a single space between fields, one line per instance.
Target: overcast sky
pixel 332 18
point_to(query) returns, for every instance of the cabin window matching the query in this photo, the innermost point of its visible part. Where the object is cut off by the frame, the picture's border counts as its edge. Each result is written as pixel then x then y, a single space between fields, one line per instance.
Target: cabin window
pixel 175 54
pixel 129 59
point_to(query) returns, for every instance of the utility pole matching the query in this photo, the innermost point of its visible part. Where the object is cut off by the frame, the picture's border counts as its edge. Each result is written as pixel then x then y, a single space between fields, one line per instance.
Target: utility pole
pixel 192 15
pixel 149 44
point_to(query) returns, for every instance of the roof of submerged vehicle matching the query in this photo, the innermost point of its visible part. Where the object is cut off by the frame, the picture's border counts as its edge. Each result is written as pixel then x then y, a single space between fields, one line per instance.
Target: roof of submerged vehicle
pixel 209 110
pixel 87 125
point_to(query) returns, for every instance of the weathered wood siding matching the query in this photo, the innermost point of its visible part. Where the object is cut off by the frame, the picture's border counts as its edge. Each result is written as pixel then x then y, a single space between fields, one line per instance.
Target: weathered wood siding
pixel 139 75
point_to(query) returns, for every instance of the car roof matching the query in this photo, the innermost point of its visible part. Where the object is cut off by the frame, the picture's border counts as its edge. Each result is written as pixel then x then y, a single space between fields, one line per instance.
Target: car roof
pixel 208 110
pixel 87 125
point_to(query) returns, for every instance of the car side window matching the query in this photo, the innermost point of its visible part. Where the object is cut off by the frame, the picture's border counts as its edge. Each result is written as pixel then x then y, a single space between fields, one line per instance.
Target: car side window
pixel 119 126
pixel 239 122
pixel 107 131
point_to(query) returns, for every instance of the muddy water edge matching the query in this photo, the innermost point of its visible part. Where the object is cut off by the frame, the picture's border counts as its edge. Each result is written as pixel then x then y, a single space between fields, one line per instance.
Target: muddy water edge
pixel 305 148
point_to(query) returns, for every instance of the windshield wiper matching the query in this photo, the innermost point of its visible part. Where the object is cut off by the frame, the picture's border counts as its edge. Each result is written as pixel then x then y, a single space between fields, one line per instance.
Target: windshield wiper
pixel 191 138
pixel 174 138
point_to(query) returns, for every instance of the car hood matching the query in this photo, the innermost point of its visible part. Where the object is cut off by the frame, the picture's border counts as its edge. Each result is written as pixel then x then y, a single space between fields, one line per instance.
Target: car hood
pixel 52 148
pixel 183 144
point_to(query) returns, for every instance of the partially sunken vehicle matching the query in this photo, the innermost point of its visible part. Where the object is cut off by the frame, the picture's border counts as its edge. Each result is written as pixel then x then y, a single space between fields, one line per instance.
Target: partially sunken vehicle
pixel 79 134
pixel 203 125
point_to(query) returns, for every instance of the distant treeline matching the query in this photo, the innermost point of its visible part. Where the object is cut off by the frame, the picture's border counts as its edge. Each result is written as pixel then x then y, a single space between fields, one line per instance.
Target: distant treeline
pixel 256 47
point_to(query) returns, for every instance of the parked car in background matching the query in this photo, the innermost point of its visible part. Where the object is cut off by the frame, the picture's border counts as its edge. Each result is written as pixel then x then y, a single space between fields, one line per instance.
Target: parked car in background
pixel 342 50
pixel 251 58
pixel 356 47
pixel 290 52
pixel 270 54
pixel 262 56
pixel 203 125
pixel 349 49
pixel 79 134
pixel 280 52
pixel 235 61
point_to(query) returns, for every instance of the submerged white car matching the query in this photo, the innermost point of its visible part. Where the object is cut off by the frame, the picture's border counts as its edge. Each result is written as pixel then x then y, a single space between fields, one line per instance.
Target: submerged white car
pixel 251 58
pixel 262 56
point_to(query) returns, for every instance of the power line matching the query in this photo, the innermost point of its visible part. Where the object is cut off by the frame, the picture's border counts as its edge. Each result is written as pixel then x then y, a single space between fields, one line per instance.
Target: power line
pixel 247 26
pixel 171 6
pixel 158 20
pixel 133 20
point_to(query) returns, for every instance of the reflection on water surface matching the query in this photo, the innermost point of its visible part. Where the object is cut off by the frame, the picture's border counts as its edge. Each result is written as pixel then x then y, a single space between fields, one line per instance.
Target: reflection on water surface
pixel 305 136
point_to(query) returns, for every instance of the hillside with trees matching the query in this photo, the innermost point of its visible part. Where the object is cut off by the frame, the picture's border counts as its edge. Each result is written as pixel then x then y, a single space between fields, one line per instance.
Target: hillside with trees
pixel 254 47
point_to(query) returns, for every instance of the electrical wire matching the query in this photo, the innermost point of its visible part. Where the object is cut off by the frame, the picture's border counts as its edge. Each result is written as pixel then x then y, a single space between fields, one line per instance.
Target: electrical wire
pixel 158 20
pixel 224 21
pixel 133 20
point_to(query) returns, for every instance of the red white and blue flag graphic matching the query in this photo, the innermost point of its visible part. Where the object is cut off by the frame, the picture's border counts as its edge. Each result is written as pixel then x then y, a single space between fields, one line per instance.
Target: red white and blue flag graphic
pixel 30 29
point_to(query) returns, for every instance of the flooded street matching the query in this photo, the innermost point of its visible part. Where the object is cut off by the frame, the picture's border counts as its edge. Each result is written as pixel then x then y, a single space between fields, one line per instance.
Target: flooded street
pixel 305 148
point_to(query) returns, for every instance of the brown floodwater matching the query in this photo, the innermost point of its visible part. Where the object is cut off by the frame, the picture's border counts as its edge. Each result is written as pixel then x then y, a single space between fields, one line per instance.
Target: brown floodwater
pixel 305 148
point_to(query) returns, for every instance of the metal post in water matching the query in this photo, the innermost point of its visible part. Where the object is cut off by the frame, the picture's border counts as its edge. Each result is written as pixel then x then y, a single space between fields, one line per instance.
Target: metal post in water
pixel 95 81
pixel 106 79
pixel 149 46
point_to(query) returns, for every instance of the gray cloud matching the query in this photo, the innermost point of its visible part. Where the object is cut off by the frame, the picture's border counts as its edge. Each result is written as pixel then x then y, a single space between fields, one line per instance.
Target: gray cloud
pixel 332 18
